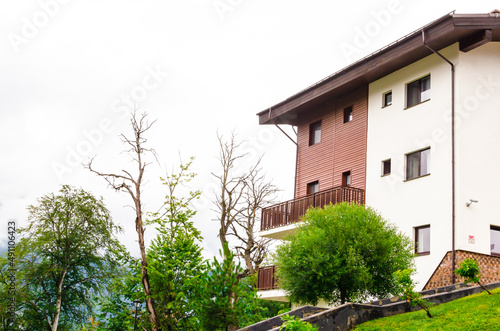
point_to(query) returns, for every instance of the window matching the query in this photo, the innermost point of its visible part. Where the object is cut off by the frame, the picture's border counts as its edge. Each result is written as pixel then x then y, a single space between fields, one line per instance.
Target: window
pixel 313 187
pixel 387 99
pixel 417 164
pixel 346 178
pixel 423 240
pixel 314 133
pixel 348 114
pixel 386 167
pixel 495 240
pixel 418 91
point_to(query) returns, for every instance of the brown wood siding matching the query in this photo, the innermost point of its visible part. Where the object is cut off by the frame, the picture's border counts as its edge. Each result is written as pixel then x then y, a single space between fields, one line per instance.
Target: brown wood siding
pixel 342 147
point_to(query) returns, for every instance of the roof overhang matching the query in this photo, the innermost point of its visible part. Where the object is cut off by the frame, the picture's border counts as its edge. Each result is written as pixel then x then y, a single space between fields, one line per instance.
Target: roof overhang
pixel 470 30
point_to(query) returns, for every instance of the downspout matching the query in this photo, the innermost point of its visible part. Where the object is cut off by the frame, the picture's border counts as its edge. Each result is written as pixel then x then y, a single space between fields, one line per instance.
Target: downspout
pixel 296 161
pixel 296 155
pixel 453 259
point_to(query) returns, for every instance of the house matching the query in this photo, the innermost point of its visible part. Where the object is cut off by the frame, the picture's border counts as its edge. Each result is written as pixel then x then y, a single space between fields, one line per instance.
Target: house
pixel 412 130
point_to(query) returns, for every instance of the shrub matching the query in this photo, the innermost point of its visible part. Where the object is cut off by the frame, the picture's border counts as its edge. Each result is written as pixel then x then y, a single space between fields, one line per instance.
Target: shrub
pixel 296 324
pixel 469 269
pixel 407 286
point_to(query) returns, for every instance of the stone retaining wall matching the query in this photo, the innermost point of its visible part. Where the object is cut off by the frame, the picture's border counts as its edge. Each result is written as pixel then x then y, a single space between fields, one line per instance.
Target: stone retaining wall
pixel 348 315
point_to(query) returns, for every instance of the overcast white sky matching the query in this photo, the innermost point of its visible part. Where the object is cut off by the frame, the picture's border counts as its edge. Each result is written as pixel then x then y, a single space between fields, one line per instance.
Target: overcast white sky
pixel 70 71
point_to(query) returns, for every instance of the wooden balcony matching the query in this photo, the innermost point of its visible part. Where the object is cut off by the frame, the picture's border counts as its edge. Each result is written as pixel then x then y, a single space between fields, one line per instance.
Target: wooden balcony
pixel 290 211
pixel 266 279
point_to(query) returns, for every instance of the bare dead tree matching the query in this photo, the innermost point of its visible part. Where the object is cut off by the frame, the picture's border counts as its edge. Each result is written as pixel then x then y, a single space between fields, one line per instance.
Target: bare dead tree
pixel 127 183
pixel 258 193
pixel 238 202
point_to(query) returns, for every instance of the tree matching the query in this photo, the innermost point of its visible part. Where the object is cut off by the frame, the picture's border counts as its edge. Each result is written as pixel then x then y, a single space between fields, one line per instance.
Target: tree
pixel 219 306
pixel 65 255
pixel 242 194
pixel 116 312
pixel 469 269
pixel 407 287
pixel 175 257
pixel 126 182
pixel 343 252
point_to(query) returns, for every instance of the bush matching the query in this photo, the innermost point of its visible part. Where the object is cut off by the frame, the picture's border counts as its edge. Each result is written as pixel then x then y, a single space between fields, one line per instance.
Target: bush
pixel 403 278
pixel 469 269
pixel 344 252
pixel 296 324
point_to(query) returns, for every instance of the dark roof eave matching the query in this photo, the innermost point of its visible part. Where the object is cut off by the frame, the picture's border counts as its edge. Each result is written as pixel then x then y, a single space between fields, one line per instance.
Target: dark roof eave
pixel 440 33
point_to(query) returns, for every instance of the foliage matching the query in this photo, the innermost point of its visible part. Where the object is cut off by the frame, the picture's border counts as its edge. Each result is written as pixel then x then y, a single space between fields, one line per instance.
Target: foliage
pixel 296 324
pixel 403 277
pixel 116 308
pixel 175 257
pixel 474 312
pixel 65 256
pixel 344 252
pixel 221 303
pixel 470 271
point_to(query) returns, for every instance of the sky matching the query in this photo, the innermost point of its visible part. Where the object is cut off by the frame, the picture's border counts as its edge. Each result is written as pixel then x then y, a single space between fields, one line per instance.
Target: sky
pixel 72 71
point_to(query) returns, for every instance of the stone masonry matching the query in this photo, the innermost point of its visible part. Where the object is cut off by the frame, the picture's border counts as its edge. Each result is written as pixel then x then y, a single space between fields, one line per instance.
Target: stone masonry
pixel 490 269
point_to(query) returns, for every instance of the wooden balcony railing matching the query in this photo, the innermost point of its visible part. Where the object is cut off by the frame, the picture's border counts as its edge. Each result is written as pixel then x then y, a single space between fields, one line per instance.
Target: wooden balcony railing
pixel 290 211
pixel 266 279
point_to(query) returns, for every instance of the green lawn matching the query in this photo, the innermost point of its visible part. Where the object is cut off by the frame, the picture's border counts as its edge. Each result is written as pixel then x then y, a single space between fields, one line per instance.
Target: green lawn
pixel 476 312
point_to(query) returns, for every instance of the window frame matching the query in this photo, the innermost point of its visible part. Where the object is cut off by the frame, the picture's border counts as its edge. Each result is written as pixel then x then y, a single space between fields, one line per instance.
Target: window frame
pixel 494 228
pixel 419 163
pixel 383 167
pixel 348 114
pixel 312 131
pixel 384 99
pixel 419 93
pixel 346 177
pixel 416 232
pixel 310 185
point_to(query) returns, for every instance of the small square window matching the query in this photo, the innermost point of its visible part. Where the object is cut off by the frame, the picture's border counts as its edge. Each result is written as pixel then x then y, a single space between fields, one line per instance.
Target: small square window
pixel 312 187
pixel 348 114
pixel 314 133
pixel 423 240
pixel 387 101
pixel 418 91
pixel 386 167
pixel 418 164
pixel 495 240
pixel 346 178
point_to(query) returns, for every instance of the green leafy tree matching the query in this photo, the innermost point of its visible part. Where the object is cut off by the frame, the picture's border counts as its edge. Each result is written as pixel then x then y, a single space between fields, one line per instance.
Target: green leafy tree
pixel 65 256
pixel 407 286
pixel 175 266
pixel 343 252
pixel 220 305
pixel 470 271
pixel 116 307
pixel 175 257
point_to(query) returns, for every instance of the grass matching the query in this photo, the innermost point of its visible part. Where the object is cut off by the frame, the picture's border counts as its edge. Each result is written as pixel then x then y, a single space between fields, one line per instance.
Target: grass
pixel 475 312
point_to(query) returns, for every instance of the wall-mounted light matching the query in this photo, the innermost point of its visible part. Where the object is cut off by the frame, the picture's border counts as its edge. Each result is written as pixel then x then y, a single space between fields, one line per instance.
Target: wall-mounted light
pixel 471 201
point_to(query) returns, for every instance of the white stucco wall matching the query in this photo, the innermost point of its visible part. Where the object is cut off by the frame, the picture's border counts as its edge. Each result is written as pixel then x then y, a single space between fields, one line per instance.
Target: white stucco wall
pixel 478 146
pixel 394 131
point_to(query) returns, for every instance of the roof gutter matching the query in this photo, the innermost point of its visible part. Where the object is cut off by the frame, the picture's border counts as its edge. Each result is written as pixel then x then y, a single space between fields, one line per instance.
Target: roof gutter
pixel 453 258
